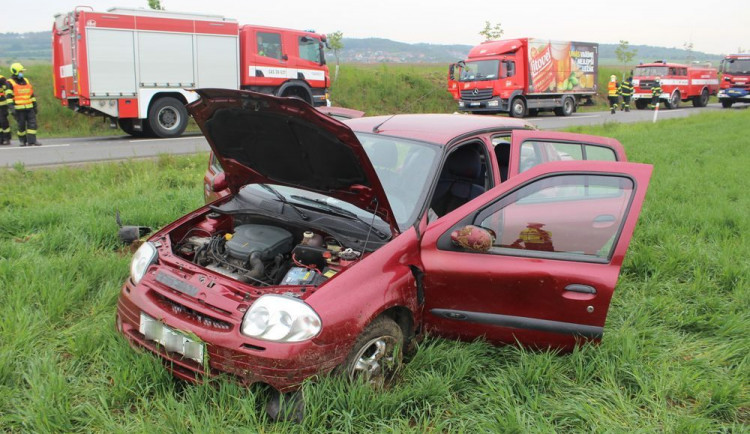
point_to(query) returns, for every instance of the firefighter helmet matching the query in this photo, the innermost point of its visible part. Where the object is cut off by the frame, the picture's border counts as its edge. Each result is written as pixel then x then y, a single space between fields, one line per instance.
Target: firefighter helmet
pixel 658 79
pixel 612 78
pixel 16 68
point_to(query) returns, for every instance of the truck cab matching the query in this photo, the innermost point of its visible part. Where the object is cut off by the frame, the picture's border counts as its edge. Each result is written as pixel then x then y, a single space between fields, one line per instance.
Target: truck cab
pixel 735 80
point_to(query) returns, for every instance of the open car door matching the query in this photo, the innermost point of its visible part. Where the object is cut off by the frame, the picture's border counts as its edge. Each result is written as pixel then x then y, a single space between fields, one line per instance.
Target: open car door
pixel 561 231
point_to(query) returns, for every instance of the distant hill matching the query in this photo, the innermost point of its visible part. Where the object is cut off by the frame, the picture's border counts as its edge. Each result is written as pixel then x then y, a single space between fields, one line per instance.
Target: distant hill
pixel 37 46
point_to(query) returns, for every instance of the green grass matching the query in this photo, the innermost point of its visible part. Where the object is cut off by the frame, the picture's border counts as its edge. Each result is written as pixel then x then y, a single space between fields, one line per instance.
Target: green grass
pixel 674 356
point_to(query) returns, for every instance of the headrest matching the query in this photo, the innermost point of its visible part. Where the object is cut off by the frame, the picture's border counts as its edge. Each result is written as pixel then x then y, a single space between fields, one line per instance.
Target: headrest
pixel 464 163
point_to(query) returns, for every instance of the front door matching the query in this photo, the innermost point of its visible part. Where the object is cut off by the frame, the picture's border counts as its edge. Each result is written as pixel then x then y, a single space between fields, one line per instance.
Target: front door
pixel 561 233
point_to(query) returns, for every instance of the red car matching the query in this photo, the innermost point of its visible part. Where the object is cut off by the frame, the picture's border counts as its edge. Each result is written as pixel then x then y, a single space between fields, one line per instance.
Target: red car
pixel 343 242
pixel 214 181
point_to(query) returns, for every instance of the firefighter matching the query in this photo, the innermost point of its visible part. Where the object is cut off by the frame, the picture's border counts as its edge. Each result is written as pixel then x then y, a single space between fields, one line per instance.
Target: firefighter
pixel 626 91
pixel 4 124
pixel 20 95
pixel 655 92
pixel 612 93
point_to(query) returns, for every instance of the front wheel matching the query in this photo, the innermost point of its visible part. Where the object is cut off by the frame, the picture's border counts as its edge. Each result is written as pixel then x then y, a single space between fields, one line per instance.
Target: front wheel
pixel 641 104
pixel 674 101
pixel 702 100
pixel 518 108
pixel 167 117
pixel 377 353
pixel 726 103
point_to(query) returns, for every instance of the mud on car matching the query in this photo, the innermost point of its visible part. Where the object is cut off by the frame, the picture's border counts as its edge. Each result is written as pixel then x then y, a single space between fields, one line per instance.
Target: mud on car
pixel 343 241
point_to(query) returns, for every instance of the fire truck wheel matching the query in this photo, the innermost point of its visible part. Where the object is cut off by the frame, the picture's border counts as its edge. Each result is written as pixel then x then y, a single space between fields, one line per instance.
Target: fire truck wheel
pixel 127 126
pixel 641 104
pixel 518 108
pixel 702 100
pixel 674 100
pixel 167 117
pixel 727 104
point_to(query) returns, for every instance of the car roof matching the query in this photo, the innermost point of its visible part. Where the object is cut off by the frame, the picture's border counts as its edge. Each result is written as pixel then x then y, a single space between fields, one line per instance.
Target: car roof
pixel 435 128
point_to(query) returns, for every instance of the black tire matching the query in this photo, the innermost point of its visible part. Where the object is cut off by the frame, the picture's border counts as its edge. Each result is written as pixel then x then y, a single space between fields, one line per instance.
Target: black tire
pixel 167 117
pixel 674 100
pixel 567 108
pixel 702 100
pixel 518 108
pixel 127 126
pixel 377 353
pixel 726 103
pixel 641 104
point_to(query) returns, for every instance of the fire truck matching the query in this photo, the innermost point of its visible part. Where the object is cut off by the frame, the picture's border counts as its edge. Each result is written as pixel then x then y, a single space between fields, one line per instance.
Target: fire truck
pixel 735 79
pixel 525 76
pixel 136 66
pixel 695 82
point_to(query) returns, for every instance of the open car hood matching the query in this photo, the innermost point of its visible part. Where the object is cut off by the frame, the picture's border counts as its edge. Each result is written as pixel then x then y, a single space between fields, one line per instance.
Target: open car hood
pixel 264 139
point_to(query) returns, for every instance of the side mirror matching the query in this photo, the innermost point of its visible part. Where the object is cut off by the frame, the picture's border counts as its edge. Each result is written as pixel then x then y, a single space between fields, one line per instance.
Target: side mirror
pixel 219 182
pixel 451 71
pixel 473 238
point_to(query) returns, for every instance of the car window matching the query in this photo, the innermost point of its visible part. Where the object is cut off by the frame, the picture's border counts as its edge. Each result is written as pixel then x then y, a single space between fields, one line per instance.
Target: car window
pixel 535 152
pixel 464 176
pixel 501 144
pixel 269 45
pixel 570 217
pixel 309 48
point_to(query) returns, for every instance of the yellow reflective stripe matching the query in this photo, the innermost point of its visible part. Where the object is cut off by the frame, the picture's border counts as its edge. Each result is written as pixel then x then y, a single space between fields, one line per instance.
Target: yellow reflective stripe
pixel 31 131
pixel 6 130
pixel 24 106
pixel 21 133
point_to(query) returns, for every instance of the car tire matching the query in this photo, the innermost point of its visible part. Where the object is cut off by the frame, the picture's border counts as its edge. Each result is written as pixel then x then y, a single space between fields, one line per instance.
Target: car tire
pixel 567 108
pixel 641 104
pixel 518 108
pixel 377 353
pixel 726 104
pixel 167 117
pixel 674 100
pixel 702 100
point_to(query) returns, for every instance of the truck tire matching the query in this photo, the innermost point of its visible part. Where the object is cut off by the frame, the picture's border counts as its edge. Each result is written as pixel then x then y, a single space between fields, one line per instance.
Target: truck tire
pixel 167 117
pixel 674 100
pixel 702 100
pixel 641 104
pixel 567 108
pixel 726 103
pixel 518 108
pixel 126 125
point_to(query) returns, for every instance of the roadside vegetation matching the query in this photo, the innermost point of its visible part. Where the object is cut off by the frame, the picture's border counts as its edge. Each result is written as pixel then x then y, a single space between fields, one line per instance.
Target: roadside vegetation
pixel 674 356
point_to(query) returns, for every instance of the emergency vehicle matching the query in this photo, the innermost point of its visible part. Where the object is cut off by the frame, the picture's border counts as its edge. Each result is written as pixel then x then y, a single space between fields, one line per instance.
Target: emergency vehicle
pixel 695 82
pixel 524 76
pixel 137 66
pixel 735 79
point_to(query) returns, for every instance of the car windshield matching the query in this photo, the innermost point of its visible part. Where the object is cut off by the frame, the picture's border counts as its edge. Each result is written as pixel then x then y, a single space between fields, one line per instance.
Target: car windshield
pixel 403 167
pixel 480 70
pixel 737 66
pixel 644 71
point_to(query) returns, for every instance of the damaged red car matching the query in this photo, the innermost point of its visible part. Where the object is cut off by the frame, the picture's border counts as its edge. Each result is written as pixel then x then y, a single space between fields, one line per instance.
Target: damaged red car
pixel 343 241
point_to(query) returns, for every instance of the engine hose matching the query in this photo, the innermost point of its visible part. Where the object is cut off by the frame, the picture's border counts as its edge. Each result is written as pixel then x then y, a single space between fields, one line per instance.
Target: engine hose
pixel 256 266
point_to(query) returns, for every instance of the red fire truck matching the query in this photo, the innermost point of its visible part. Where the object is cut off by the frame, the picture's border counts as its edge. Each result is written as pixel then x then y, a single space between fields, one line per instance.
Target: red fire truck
pixel 524 76
pixel 735 79
pixel 679 82
pixel 136 66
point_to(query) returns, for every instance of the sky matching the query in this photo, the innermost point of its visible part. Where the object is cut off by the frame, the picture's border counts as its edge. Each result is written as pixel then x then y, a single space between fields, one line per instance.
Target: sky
pixel 719 27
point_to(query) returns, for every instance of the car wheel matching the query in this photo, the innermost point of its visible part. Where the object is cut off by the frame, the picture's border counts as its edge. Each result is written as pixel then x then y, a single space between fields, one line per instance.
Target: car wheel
pixel 518 108
pixel 377 354
pixel 727 104
pixel 674 101
pixel 702 100
pixel 167 117
pixel 641 104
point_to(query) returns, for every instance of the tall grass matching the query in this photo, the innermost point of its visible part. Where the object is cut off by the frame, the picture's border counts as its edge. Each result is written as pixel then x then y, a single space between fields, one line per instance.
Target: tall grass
pixel 674 356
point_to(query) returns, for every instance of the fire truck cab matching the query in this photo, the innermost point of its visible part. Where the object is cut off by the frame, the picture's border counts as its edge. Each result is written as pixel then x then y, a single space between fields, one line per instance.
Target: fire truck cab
pixel 735 80
pixel 679 82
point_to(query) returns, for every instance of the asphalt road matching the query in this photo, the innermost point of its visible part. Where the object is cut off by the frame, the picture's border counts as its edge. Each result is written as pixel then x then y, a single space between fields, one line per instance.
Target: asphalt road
pixel 73 151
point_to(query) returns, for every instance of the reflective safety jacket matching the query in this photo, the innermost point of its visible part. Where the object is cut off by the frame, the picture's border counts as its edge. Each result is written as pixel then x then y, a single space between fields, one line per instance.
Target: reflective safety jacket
pixel 626 88
pixel 21 92
pixel 3 84
pixel 656 90
pixel 612 88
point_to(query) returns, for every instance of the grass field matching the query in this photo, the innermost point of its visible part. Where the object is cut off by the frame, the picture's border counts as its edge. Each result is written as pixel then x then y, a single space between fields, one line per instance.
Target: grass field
pixel 674 356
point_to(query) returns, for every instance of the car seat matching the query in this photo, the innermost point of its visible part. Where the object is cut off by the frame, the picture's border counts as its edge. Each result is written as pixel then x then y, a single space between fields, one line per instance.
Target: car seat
pixel 459 181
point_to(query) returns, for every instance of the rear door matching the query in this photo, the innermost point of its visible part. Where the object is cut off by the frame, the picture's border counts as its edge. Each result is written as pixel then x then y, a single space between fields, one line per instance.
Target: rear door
pixel 562 230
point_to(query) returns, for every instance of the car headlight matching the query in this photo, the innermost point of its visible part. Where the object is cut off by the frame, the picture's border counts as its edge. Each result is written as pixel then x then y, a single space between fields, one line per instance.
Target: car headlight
pixel 144 256
pixel 281 319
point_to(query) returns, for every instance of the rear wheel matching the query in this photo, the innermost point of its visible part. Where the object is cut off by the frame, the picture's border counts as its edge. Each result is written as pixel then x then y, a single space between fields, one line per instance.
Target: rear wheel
pixel 567 108
pixel 702 100
pixel 167 117
pixel 674 100
pixel 518 108
pixel 726 104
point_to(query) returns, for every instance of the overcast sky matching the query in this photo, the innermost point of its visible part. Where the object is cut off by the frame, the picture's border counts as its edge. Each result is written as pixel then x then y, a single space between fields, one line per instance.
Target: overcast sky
pixel 718 27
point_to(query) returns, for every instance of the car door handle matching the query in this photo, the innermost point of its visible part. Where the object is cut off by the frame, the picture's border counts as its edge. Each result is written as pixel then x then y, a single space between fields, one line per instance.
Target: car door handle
pixel 603 221
pixel 584 289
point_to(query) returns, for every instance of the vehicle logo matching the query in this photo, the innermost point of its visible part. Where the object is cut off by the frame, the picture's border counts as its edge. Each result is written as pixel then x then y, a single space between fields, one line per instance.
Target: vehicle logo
pixel 475 91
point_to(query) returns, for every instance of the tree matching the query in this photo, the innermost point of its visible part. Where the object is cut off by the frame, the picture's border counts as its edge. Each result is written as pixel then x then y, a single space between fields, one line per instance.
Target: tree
pixel 491 32
pixel 688 47
pixel 335 44
pixel 155 5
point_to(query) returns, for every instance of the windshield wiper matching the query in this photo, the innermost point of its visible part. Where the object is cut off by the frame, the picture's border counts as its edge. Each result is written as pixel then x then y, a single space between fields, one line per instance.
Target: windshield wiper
pixel 283 200
pixel 342 212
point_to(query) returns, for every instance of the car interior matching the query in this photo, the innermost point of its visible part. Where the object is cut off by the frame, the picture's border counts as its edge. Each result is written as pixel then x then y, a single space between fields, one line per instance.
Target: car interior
pixel 463 178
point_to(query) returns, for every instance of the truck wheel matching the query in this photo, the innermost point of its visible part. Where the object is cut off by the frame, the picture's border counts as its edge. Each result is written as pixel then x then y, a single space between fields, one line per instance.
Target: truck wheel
pixel 641 104
pixel 726 104
pixel 127 126
pixel 167 117
pixel 518 108
pixel 674 101
pixel 702 100
pixel 566 109
pixel 377 353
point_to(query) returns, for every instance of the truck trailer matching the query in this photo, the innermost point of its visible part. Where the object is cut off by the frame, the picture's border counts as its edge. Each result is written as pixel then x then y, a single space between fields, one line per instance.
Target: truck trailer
pixel 524 76
pixel 137 66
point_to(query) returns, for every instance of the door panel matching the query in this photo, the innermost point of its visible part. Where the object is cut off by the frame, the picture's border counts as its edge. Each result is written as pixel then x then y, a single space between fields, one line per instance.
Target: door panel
pixel 562 231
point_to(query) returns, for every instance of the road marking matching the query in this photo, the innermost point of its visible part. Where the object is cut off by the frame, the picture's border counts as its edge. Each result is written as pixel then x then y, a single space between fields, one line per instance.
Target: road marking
pixel 164 140
pixel 35 147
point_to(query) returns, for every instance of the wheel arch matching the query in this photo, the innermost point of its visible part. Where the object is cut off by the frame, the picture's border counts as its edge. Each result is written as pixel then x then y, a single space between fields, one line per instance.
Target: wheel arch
pixel 296 88
pixel 157 96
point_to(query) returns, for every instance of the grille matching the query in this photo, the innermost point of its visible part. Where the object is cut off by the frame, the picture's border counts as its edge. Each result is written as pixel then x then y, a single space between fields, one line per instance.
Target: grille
pixel 191 314
pixel 646 84
pixel 481 94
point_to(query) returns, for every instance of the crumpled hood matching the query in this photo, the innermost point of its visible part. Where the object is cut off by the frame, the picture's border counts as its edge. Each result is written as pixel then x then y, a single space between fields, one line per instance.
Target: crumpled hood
pixel 264 139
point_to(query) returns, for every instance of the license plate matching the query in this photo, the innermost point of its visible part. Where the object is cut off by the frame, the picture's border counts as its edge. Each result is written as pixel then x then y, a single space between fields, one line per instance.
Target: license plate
pixel 172 340
pixel 474 104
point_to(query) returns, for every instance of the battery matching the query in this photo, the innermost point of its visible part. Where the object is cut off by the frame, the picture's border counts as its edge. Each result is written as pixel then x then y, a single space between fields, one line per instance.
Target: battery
pixel 302 276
